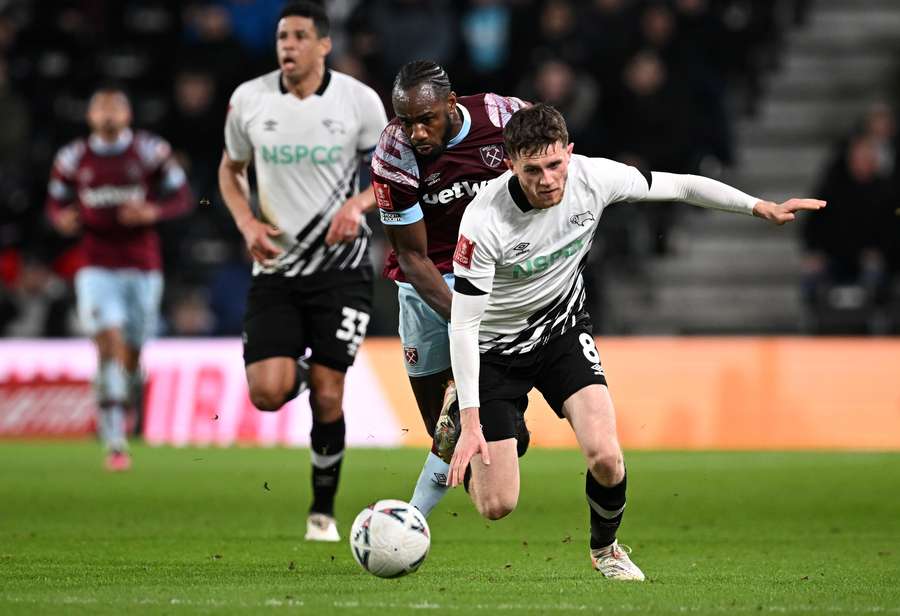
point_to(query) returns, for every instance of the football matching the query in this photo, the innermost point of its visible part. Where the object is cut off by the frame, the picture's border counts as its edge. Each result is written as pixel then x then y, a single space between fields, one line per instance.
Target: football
pixel 390 538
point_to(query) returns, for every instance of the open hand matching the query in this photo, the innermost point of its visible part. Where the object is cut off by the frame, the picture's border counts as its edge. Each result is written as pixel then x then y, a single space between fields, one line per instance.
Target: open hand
pixel 345 224
pixel 256 235
pixel 471 443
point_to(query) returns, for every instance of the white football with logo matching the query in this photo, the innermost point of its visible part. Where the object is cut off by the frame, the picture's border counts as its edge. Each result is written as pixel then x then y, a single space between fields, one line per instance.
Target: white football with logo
pixel 390 538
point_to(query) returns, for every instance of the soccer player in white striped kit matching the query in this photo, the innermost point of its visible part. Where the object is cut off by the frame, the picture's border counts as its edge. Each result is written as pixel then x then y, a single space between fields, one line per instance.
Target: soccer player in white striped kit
pixel 518 317
pixel 307 130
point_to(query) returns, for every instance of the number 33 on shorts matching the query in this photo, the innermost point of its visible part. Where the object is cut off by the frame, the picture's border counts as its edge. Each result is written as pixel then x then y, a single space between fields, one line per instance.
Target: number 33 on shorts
pixel 590 352
pixel 352 329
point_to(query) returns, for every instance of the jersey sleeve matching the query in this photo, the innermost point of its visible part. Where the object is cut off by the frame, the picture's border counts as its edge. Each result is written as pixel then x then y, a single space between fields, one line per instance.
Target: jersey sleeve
pixel 500 109
pixel 237 139
pixel 61 190
pixel 395 178
pixel 619 182
pixel 372 119
pixel 475 257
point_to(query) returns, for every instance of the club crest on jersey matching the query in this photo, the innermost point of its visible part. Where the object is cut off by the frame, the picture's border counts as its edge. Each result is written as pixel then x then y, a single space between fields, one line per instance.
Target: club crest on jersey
pixel 491 155
pixel 465 248
pixel 382 196
pixel 582 219
pixel 412 355
pixel 334 126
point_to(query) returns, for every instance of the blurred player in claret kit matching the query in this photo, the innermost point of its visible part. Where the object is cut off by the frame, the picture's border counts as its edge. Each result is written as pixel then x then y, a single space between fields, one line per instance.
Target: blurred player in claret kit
pixel 307 131
pixel 431 160
pixel 113 187
pixel 519 318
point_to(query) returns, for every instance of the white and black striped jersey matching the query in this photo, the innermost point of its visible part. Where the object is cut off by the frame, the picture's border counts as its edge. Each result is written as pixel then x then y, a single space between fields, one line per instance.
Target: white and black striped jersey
pixel 530 260
pixel 307 154
pixel 518 269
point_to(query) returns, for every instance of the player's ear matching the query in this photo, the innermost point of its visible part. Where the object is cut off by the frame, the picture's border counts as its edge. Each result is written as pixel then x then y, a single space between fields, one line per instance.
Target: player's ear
pixel 325 45
pixel 451 101
pixel 509 164
pixel 570 147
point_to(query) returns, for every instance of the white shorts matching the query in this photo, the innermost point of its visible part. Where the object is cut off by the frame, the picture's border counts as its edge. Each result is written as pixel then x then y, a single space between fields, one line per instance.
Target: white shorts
pixel 125 299
pixel 423 332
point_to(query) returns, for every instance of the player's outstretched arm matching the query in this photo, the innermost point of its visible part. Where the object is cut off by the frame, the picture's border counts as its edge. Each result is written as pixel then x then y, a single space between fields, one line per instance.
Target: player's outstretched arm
pixel 780 213
pixel 235 189
pixel 709 193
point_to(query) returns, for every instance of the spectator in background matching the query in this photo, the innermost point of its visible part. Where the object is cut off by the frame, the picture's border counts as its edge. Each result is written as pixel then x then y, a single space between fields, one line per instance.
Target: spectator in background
pixel 652 130
pixel 607 27
pixel 113 187
pixel 209 41
pixel 576 95
pixel 847 243
pixel 404 29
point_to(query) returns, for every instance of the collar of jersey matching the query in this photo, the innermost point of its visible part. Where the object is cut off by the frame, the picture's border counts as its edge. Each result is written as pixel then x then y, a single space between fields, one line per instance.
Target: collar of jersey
pixel 103 148
pixel 464 130
pixel 518 195
pixel 326 79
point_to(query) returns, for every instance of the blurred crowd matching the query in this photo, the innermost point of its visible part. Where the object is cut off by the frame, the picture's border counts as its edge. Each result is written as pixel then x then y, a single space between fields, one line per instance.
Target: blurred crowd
pixel 649 82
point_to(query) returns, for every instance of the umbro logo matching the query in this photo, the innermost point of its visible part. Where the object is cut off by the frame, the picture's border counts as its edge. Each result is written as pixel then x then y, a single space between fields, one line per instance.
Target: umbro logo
pixel 440 479
pixel 433 178
pixel 269 125
pixel 334 126
pixel 520 249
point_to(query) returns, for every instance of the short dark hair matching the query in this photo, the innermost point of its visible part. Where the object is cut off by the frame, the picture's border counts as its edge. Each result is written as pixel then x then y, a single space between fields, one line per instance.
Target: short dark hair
pixel 532 130
pixel 420 72
pixel 110 88
pixel 313 10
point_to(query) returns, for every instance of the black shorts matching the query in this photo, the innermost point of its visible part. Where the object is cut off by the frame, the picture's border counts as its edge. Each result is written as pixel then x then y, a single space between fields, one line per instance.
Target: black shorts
pixel 566 365
pixel 327 313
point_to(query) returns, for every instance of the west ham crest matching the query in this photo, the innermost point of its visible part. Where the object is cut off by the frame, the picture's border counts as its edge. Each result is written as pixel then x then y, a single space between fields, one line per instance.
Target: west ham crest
pixel 412 355
pixel 492 155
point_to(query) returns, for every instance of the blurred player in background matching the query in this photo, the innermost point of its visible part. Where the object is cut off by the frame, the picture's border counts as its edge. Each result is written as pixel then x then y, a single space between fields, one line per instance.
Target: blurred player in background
pixel 519 319
pixel 113 187
pixel 307 130
pixel 431 160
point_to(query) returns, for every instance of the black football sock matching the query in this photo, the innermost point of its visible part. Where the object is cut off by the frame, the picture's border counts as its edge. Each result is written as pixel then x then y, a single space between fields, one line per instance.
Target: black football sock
pixel 326 453
pixel 607 506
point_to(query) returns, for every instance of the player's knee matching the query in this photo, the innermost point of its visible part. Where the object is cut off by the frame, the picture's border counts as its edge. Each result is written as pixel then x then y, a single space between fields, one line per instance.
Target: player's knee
pixel 606 466
pixel 326 402
pixel 266 398
pixel 496 506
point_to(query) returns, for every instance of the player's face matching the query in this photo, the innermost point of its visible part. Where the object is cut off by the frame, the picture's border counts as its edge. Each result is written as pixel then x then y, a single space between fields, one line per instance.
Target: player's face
pixel 109 113
pixel 543 175
pixel 427 119
pixel 299 47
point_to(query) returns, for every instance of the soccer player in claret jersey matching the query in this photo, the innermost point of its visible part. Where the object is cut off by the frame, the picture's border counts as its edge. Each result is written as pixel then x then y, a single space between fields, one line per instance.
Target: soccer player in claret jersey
pixel 307 130
pixel 112 188
pixel 431 160
pixel 519 319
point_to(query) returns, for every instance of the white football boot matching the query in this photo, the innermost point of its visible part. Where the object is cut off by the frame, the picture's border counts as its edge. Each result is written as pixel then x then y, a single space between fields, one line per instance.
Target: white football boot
pixel 321 527
pixel 613 562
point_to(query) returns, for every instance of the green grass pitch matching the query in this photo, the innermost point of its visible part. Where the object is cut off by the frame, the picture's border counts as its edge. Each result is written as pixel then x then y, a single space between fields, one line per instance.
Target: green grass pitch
pixel 196 531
